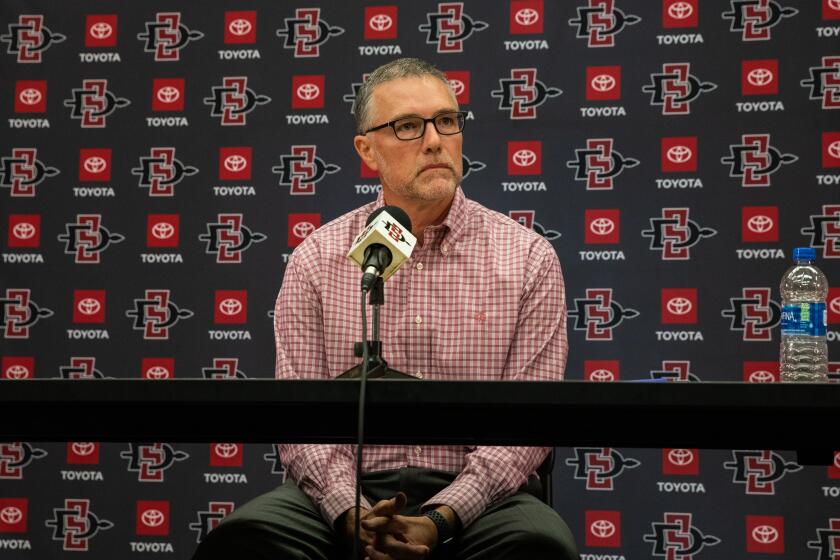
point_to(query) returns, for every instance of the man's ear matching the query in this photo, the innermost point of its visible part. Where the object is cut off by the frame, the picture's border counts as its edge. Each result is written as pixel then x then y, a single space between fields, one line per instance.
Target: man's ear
pixel 365 151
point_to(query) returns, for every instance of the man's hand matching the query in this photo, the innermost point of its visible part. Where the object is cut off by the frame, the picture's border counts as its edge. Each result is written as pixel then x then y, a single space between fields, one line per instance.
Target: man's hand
pixel 400 537
pixel 384 509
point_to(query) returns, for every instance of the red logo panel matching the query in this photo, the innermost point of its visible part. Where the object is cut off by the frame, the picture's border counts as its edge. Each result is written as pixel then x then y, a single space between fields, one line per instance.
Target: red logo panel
pixel 679 14
pixel 88 306
pixel 601 371
pixel 308 92
pixel 765 534
pixel 759 224
pixel 603 83
pixel 231 307
pixel 94 165
pixel 830 149
pixel 526 17
pixel 679 306
pixel 761 372
pixel 603 529
pixel 101 30
pixel 153 518
pixel 24 231
pixel 833 306
pixel 157 368
pixel 681 462
pixel 168 94
pixel 31 96
pixel 602 226
pixel 679 154
pixel 830 9
pixel 235 163
pixel 301 226
pixel 459 81
pixel 162 230
pixel 525 158
pixel 82 453
pixel 226 454
pixel 17 367
pixel 13 515
pixel 760 77
pixel 380 22
pixel 240 28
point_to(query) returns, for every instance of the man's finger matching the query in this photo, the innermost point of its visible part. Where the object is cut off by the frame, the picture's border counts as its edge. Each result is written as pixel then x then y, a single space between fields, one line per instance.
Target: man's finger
pixel 389 507
pixel 401 550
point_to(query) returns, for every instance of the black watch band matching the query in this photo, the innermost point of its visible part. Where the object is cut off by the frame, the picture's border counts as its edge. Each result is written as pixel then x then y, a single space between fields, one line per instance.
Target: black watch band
pixel 444 531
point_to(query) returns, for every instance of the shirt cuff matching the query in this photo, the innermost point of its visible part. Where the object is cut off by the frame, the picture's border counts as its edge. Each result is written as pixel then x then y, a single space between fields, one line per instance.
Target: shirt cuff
pixel 338 501
pixel 466 499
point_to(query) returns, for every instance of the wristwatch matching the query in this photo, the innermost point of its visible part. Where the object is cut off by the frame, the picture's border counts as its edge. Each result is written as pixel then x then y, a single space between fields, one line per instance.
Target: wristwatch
pixel 444 531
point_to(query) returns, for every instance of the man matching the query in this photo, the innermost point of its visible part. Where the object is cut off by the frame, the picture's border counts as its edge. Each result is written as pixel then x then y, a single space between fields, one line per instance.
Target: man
pixel 481 298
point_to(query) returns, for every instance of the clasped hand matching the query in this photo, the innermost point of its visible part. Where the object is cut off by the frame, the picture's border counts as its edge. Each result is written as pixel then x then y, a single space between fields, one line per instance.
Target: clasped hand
pixel 386 535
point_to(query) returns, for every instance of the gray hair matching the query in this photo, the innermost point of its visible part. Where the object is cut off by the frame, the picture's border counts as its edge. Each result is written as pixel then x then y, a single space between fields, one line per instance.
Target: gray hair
pixel 394 70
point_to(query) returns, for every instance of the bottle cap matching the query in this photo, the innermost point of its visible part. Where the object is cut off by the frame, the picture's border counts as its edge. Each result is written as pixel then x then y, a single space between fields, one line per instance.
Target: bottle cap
pixel 804 254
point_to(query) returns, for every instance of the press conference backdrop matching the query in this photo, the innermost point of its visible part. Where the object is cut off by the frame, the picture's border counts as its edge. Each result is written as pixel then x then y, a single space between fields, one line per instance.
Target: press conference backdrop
pixel 160 161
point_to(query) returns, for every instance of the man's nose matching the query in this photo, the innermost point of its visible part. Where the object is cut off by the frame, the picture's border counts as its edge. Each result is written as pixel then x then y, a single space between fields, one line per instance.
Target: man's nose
pixel 431 138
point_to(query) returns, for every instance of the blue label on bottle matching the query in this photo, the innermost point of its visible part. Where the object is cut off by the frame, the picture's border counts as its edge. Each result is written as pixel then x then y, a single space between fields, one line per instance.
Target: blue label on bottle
pixel 804 319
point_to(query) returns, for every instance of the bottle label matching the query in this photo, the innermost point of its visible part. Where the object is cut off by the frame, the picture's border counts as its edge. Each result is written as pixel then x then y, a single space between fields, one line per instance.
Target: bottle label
pixel 804 318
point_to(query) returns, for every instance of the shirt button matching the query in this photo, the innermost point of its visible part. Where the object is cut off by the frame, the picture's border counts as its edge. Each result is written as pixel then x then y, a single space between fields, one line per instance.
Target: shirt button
pixel 444 249
pixel 418 319
pixel 419 375
pixel 418 451
pixel 419 266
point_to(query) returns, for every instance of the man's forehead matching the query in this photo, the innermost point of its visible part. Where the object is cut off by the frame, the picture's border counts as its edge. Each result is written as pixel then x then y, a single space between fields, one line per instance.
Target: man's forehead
pixel 412 95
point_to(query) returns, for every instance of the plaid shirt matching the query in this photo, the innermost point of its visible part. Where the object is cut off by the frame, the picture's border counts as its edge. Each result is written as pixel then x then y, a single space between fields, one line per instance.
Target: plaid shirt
pixel 482 299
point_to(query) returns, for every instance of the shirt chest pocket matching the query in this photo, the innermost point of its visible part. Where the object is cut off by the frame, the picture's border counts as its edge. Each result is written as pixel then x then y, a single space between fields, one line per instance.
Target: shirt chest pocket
pixel 471 342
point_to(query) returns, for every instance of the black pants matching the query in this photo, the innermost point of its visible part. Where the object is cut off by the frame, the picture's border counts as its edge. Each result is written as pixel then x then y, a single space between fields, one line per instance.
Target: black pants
pixel 284 524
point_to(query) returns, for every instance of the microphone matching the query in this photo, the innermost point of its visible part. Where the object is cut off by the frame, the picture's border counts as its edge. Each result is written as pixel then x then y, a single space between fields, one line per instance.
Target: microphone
pixel 384 245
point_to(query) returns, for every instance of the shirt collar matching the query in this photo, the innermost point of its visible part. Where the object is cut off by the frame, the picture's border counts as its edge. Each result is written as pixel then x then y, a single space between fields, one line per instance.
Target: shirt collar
pixel 455 219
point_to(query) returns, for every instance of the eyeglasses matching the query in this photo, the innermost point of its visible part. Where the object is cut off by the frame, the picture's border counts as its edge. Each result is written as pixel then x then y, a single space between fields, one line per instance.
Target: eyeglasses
pixel 411 128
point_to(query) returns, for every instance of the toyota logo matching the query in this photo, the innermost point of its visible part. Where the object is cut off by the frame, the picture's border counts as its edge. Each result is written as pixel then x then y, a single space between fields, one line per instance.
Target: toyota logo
pixel 168 94
pixel 524 158
pixel 152 518
pixel 602 375
pixel 679 154
pixel 457 86
pixel 308 92
pixel 239 27
pixel 302 230
pixel 226 450
pixel 765 534
pixel 101 30
pixel 603 82
pixel 95 164
pixel 527 16
pixel 761 376
pixel 89 306
pixel 602 226
pixel 680 10
pixel 837 460
pixel 230 306
pixel 17 371
pixel 23 230
pixel 83 448
pixel 157 372
pixel 678 306
pixel 760 77
pixel 11 515
pixel 834 147
pixel 30 96
pixel 380 22
pixel 163 230
pixel 235 163
pixel 680 457
pixel 834 4
pixel 760 223
pixel 834 305
pixel 602 528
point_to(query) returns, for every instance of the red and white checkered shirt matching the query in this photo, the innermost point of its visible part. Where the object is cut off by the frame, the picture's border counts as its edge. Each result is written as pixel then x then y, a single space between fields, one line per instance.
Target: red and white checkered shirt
pixel 483 298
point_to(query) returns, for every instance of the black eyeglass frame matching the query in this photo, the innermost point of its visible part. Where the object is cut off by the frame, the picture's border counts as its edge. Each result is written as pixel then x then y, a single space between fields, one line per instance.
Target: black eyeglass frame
pixel 462 119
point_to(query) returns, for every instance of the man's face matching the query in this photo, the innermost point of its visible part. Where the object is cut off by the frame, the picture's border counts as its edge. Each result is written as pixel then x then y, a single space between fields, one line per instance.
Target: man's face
pixel 424 169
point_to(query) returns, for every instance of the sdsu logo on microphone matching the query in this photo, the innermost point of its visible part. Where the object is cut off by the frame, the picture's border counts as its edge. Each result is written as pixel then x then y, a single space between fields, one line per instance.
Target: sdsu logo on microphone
pixel 155 314
pixel 166 36
pixel 754 160
pixel 598 164
pixel 29 38
pixel 755 18
pixel 86 238
pixel 22 172
pixel 676 537
pixel 228 238
pixel 306 32
pixel 824 82
pixel 599 466
pixel 674 234
pixel 74 525
pixel 825 231
pixel 18 313
pixel 449 27
pixel 754 314
pixel 233 100
pixel 522 93
pixel 150 461
pixel 599 314
pixel 600 21
pixel 675 88
pixel 93 103
pixel 302 169
pixel 160 171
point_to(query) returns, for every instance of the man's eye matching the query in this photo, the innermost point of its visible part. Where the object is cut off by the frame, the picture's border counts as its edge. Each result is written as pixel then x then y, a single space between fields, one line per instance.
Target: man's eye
pixel 446 121
pixel 407 126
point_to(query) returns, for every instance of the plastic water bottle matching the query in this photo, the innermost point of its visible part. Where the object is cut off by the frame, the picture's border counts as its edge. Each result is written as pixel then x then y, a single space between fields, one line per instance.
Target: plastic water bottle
pixel 804 352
